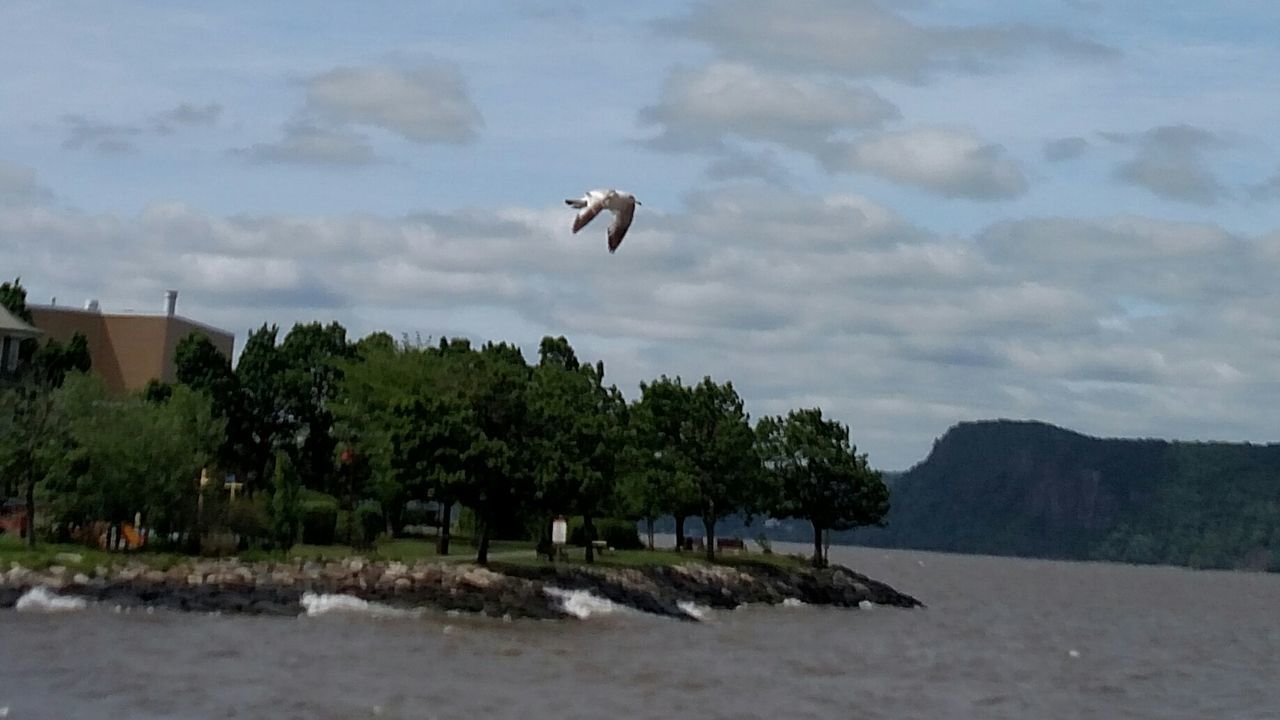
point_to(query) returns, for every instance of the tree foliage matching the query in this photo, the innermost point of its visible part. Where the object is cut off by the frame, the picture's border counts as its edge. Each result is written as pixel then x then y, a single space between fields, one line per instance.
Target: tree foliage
pixel 818 475
pixel 124 456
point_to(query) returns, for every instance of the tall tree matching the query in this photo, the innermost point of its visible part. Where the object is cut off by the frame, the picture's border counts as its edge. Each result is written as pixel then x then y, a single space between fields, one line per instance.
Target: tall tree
pixel 267 424
pixel 46 364
pixel 374 415
pixel 201 366
pixel 819 476
pixel 311 355
pixel 721 447
pixel 32 434
pixel 31 442
pixel 494 383
pixel 129 455
pixel 576 426
pixel 13 297
pixel 659 465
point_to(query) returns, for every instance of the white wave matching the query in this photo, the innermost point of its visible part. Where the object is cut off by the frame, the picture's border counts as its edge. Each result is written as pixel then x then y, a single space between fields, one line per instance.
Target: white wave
pixel 692 609
pixel 865 604
pixel 319 604
pixel 793 602
pixel 39 599
pixel 583 604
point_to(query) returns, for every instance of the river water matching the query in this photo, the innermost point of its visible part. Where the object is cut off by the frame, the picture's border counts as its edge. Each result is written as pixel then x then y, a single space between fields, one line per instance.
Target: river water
pixel 999 638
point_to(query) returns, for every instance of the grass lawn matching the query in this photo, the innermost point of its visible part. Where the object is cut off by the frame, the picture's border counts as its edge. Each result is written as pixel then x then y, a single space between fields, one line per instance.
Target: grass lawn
pixel 647 558
pixel 406 550
pixel 14 550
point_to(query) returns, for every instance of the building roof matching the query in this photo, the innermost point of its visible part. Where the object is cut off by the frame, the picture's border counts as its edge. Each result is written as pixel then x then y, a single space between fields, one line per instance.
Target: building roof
pixel 12 326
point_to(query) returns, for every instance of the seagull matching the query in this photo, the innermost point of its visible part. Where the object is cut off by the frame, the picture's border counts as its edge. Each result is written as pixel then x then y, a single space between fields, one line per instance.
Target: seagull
pixel 621 204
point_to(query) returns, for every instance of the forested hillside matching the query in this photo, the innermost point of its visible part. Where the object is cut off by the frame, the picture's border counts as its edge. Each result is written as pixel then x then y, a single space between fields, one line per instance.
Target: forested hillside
pixel 1027 488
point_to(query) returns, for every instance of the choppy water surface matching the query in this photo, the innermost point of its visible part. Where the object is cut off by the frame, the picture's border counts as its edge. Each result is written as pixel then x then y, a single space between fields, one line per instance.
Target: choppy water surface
pixel 1000 638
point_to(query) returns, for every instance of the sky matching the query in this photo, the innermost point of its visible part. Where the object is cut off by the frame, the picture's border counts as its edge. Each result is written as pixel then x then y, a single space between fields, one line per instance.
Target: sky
pixel 909 214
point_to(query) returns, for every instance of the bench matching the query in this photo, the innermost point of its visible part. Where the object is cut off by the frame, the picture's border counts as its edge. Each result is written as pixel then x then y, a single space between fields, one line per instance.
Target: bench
pixel 693 543
pixel 731 544
pixel 599 546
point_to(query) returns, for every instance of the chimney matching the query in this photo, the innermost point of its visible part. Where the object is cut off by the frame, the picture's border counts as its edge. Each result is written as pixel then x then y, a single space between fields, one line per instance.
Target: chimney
pixel 170 302
pixel 91 305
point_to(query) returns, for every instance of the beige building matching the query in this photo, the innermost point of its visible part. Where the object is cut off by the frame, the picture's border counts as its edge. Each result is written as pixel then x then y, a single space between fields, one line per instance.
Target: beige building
pixel 128 349
pixel 12 332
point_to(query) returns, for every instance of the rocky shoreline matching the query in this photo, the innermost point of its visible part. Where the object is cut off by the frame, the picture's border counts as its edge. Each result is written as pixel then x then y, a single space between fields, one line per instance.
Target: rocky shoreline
pixel 500 590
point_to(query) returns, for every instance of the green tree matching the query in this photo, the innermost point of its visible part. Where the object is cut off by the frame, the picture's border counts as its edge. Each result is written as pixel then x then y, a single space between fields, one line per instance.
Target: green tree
pixel 201 366
pixel 576 432
pixel 13 296
pixel 286 505
pixel 311 355
pixel 45 365
pixel 375 418
pixel 128 455
pixel 431 436
pixel 660 471
pixel 32 437
pixel 266 424
pixel 819 476
pixel 496 485
pixel 720 446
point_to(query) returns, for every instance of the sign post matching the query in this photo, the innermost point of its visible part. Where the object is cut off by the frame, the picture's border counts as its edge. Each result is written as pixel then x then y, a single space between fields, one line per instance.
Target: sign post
pixel 559 535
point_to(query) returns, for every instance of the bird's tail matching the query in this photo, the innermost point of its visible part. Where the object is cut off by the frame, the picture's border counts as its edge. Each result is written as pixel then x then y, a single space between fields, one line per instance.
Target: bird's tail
pixel 578 203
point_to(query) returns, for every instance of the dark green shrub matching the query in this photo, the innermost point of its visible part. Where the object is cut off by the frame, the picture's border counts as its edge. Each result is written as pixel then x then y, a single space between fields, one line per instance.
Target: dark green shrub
pixel 319 523
pixel 285 508
pixel 619 534
pixel 249 519
pixel 370 522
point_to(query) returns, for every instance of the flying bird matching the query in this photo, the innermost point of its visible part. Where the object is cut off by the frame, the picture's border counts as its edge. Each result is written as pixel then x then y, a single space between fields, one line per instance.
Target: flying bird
pixel 621 204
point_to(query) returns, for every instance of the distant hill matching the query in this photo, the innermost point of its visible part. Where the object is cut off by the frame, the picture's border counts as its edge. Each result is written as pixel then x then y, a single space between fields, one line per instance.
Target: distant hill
pixel 1030 489
pixel 1027 488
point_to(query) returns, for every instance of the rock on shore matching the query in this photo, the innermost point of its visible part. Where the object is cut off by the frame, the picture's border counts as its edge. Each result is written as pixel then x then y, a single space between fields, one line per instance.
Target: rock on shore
pixel 501 590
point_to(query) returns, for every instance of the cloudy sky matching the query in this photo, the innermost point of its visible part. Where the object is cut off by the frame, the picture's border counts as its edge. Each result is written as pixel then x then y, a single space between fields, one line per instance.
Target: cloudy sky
pixel 910 214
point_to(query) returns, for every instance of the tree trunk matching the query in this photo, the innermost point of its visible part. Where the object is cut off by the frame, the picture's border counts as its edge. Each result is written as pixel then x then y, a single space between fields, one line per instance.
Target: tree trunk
pixel 818 560
pixel 442 540
pixel 482 554
pixel 649 525
pixel 709 521
pixel 589 534
pixel 679 533
pixel 31 506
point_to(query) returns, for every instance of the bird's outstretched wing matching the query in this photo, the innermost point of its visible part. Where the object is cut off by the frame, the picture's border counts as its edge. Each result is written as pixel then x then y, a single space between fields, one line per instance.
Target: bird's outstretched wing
pixel 620 224
pixel 594 205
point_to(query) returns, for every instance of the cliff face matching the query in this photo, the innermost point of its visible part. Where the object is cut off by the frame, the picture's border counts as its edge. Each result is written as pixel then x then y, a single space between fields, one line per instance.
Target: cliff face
pixel 1027 488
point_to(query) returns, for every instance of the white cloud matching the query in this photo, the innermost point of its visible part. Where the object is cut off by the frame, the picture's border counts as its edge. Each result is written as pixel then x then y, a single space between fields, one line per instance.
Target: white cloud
pixel 950 162
pixel 701 107
pixel 1126 326
pixel 859 38
pixel 304 142
pixel 1267 190
pixel 1170 163
pixel 107 138
pixel 425 104
pixel 736 164
pixel 19 185
pixel 187 115
pixel 1067 148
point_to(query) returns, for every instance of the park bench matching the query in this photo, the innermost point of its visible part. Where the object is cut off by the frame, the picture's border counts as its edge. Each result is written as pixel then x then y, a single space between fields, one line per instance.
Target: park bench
pixel 693 543
pixel 599 546
pixel 731 544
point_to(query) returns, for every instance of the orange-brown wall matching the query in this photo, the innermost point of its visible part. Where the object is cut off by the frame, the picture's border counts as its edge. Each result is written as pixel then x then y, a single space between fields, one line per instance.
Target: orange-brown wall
pixel 128 351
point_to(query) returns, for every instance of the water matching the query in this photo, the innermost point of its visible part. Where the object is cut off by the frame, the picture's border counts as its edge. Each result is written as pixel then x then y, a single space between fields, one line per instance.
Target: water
pixel 1000 638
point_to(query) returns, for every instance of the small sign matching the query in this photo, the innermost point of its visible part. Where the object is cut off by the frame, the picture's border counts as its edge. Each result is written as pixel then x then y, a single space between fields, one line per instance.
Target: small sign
pixel 559 531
